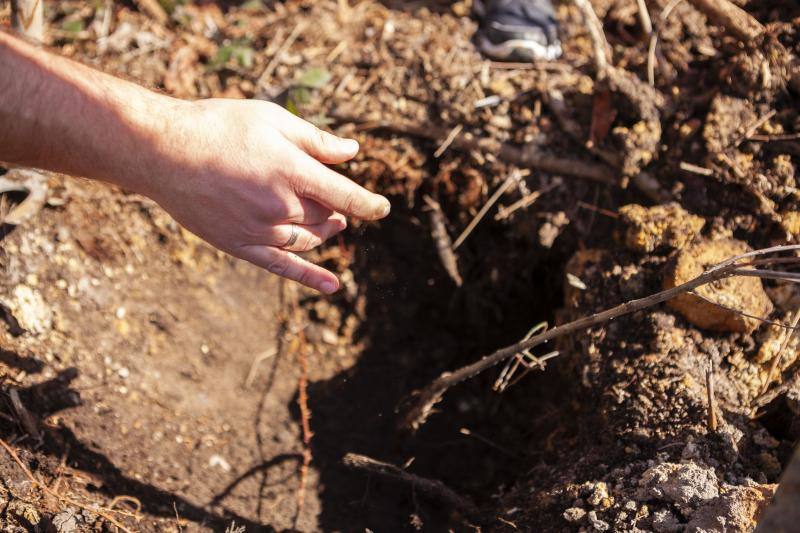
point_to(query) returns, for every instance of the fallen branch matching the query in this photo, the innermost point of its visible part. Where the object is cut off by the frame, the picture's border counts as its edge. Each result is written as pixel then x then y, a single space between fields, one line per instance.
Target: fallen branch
pixel 426 399
pixel 526 156
pixel 431 488
pixel 599 42
pixel 735 20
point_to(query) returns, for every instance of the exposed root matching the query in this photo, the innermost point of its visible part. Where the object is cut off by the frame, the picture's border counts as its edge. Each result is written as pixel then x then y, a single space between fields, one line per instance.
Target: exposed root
pixel 432 488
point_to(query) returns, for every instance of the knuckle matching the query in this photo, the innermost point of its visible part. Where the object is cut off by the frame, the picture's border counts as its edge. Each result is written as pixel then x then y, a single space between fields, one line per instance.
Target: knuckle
pixel 320 139
pixel 279 265
pixel 305 277
pixel 306 243
pixel 350 202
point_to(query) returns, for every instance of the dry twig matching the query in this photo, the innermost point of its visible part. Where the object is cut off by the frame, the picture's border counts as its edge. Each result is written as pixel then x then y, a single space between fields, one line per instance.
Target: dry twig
pixel 263 80
pixel 732 18
pixel 651 49
pixel 644 18
pixel 527 156
pixel 426 399
pixel 712 402
pixel 599 43
pixel 105 513
pixel 28 421
pixel 448 141
pixel 431 488
pixel 512 178
pixel 789 332
pixel 442 240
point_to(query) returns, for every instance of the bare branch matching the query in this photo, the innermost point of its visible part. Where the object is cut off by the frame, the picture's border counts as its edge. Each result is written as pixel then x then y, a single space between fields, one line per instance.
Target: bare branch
pixel 599 42
pixel 525 156
pixel 432 488
pixel 426 399
pixel 735 20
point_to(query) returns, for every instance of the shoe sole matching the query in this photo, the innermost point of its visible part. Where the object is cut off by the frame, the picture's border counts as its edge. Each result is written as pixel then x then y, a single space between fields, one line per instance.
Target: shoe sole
pixel 519 50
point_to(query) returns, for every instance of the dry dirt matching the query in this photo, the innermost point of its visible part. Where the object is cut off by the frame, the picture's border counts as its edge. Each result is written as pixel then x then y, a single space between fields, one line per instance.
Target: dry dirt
pixel 161 379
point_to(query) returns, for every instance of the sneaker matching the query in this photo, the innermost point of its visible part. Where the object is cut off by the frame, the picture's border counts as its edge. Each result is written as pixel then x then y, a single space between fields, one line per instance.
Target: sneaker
pixel 517 30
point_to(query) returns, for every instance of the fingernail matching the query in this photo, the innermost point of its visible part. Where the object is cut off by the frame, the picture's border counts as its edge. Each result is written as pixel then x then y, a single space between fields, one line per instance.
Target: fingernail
pixel 385 209
pixel 329 287
pixel 351 145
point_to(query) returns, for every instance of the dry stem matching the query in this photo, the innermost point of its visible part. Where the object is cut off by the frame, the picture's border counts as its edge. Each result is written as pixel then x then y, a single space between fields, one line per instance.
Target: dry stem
pixel 521 156
pixel 599 42
pixel 432 488
pixel 732 18
pixel 431 395
pixel 105 513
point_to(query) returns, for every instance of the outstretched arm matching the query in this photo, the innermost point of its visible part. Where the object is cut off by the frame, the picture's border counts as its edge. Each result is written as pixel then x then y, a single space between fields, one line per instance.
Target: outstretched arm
pixel 238 173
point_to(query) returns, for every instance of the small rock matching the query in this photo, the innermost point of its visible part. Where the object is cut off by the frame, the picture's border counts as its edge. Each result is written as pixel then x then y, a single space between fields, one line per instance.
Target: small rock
pixel 66 521
pixel 597 524
pixel 666 522
pixel 329 336
pixel 29 309
pixel 599 497
pixel 685 485
pixel 790 222
pixel 737 510
pixel 551 229
pixel 793 398
pixel 661 225
pixel 219 462
pixel 574 514
pixel 742 294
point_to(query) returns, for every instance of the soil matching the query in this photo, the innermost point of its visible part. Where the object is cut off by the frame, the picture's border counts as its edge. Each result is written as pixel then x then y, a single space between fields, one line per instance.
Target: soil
pixel 162 382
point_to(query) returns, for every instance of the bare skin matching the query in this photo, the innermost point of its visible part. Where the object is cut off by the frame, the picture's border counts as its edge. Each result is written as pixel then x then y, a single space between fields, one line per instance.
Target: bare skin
pixel 237 173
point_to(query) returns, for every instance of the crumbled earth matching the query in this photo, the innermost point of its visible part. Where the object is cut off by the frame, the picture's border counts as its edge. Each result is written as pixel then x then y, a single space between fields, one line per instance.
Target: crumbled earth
pixel 734 304
pixel 159 379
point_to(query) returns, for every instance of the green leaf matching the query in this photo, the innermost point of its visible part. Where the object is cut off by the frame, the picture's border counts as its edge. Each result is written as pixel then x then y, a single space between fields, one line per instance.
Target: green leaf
pixel 301 95
pixel 244 56
pixel 253 5
pixel 321 120
pixel 314 78
pixel 73 26
pixel 219 61
pixel 291 107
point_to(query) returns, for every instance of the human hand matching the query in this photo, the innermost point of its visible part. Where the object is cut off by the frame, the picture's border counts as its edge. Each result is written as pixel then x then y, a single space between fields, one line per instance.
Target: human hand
pixel 250 178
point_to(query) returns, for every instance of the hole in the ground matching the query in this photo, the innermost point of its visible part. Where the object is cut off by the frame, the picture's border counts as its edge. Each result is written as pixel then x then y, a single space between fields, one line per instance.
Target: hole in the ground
pixel 418 326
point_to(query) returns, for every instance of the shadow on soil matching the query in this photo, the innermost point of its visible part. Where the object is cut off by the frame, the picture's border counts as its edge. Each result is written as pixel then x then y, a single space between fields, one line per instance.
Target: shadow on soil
pixel 419 325
pixel 54 395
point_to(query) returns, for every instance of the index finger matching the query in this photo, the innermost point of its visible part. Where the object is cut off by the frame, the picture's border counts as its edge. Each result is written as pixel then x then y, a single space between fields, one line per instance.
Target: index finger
pixel 321 184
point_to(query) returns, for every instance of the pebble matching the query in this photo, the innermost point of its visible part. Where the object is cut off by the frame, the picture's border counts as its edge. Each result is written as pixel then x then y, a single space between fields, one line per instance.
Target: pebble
pixel 574 514
pixel 597 524
pixel 685 485
pixel 217 461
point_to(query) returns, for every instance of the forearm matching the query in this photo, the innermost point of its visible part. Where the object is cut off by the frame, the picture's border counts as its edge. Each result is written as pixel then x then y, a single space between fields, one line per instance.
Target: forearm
pixel 59 115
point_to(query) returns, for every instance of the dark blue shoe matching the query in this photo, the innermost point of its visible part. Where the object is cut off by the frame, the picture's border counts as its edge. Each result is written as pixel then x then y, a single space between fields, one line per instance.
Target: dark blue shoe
pixel 517 30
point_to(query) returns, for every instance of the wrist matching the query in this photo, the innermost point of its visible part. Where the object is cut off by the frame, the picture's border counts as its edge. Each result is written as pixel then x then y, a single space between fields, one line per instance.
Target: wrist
pixel 154 124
